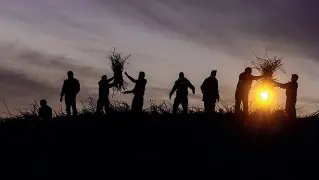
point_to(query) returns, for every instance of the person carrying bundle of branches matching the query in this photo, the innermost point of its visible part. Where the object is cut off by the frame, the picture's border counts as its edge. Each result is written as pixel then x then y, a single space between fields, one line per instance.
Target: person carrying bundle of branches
pixel 243 88
pixel 291 93
pixel 267 67
pixel 103 101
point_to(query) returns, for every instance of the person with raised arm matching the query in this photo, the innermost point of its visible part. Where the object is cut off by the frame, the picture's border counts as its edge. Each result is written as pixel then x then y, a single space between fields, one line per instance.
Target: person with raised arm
pixel 138 91
pixel 243 88
pixel 103 102
pixel 291 94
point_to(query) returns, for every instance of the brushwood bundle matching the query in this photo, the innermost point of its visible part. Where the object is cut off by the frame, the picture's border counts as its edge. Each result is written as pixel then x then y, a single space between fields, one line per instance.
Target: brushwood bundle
pixel 117 64
pixel 268 66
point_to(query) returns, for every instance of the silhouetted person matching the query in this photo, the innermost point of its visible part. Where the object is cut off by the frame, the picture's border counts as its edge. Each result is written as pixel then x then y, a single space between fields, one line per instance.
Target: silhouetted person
pixel 210 92
pixel 291 93
pixel 243 88
pixel 70 89
pixel 103 101
pixel 138 91
pixel 45 111
pixel 181 87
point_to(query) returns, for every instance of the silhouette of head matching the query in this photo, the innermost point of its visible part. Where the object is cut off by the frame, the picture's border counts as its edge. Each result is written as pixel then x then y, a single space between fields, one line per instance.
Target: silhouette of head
pixel 248 70
pixel 213 73
pixel 43 102
pixel 181 75
pixel 104 77
pixel 141 75
pixel 294 77
pixel 70 74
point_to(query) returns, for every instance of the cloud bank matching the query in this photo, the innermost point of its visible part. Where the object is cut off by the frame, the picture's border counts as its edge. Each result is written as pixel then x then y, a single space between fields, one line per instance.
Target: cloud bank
pixel 164 37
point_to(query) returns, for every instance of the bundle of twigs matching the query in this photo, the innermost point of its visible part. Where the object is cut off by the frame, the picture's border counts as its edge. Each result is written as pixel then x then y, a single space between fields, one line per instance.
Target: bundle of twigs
pixel 117 65
pixel 268 66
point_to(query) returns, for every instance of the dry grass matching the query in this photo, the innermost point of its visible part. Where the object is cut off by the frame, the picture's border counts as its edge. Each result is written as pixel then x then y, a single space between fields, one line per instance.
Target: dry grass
pixel 29 119
pixel 28 115
pixel 162 108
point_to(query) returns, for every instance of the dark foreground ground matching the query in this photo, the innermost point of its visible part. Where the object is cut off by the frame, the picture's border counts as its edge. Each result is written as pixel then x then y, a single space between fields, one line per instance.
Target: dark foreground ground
pixel 123 146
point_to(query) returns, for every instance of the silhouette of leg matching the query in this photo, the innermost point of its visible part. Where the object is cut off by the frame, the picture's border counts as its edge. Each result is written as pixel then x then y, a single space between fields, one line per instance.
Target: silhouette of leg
pixel 208 106
pixel 185 105
pixel 290 109
pixel 175 105
pixel 99 106
pixel 293 109
pixel 140 103
pixel 213 106
pixel 68 107
pixel 238 100
pixel 74 110
pixel 106 106
pixel 137 104
pixel 287 108
pixel 133 106
pixel 245 104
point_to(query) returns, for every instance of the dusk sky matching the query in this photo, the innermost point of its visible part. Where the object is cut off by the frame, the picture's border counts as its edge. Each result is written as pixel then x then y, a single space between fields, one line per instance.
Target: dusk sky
pixel 40 40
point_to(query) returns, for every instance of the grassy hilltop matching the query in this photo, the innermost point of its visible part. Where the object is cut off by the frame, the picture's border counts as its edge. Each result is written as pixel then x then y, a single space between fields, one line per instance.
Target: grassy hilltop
pixel 157 145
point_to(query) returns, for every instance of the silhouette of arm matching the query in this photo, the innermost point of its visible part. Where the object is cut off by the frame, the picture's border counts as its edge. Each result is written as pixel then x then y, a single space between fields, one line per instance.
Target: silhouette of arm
pixel 217 90
pixel 112 85
pixel 50 113
pixel 130 78
pixel 173 90
pixel 255 77
pixel 111 79
pixel 77 86
pixel 128 92
pixel 191 86
pixel 63 89
pixel 202 87
pixel 281 85
pixel 40 115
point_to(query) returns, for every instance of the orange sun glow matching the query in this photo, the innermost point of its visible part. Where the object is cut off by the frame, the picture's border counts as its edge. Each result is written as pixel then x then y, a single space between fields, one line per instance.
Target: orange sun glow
pixel 264 96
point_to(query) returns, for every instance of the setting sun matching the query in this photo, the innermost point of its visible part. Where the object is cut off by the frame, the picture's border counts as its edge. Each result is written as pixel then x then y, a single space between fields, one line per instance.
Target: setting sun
pixel 264 95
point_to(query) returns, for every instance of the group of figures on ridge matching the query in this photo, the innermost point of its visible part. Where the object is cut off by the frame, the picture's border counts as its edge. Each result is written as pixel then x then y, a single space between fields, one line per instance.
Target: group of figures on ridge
pixel 209 89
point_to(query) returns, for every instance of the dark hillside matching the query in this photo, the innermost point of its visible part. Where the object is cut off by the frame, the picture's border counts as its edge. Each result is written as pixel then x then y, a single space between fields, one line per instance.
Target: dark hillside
pixel 160 146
